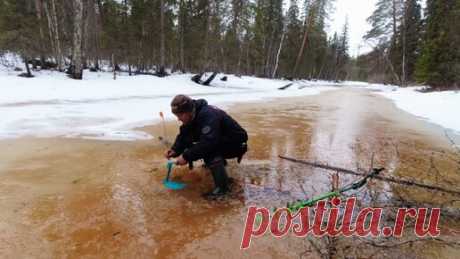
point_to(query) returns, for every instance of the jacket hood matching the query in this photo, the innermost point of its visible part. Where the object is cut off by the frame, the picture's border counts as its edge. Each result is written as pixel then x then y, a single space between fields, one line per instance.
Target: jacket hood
pixel 200 103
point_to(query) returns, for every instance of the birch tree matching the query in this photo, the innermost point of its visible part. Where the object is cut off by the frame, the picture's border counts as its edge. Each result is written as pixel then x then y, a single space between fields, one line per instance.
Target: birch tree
pixel 77 72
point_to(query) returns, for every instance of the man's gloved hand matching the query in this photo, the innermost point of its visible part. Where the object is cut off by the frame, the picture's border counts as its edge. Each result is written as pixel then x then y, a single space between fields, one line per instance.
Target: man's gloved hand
pixel 181 161
pixel 170 153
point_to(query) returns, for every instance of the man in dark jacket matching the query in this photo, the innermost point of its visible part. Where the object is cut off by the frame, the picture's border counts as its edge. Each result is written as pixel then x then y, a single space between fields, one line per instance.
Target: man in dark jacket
pixel 207 133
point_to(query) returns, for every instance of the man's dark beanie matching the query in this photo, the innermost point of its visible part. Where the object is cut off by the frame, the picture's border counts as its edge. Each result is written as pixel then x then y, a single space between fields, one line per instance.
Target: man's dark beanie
pixel 182 103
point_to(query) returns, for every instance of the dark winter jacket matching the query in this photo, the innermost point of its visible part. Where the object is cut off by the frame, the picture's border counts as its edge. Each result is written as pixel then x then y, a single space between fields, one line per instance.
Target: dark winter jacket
pixel 210 130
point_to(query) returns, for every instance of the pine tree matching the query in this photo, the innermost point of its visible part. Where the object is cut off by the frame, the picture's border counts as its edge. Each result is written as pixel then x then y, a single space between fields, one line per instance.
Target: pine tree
pixel 410 38
pixel 381 22
pixel 149 36
pixel 383 35
pixel 342 54
pixel 233 39
pixel 292 41
pixel 267 30
pixel 439 65
pixel 19 26
pixel 310 56
pixel 310 19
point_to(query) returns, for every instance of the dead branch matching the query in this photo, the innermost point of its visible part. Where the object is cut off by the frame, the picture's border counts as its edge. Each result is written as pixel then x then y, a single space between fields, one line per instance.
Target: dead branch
pixel 209 80
pixel 285 87
pixel 411 241
pixel 454 145
pixel 382 178
pixel 197 79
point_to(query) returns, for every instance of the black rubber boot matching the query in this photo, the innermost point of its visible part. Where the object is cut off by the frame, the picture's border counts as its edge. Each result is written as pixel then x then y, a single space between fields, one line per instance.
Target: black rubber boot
pixel 221 181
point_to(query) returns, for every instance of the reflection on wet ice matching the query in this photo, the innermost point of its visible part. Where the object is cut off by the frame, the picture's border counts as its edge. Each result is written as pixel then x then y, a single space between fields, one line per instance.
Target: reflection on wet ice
pixel 128 206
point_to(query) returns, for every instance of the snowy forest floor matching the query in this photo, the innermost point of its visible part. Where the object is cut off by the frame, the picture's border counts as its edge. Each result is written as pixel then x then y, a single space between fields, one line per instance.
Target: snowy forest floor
pixel 98 107
pixel 73 197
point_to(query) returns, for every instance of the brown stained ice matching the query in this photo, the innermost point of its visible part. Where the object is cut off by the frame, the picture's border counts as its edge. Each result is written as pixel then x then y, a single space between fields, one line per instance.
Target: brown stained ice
pixel 73 198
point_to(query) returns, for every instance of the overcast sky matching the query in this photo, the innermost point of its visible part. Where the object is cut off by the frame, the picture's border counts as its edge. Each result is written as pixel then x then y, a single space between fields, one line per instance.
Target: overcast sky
pixel 357 12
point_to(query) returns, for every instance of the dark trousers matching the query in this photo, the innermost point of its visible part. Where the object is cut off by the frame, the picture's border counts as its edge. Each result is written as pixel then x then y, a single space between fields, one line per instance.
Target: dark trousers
pixel 227 150
pixel 216 162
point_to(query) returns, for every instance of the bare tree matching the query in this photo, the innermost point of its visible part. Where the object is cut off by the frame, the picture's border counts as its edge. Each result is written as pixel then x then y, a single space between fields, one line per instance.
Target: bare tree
pixel 57 40
pixel 161 72
pixel 403 34
pixel 77 40
pixel 278 54
pixel 205 64
pixel 93 28
pixel 309 21
pixel 181 34
pixel 51 15
pixel 38 10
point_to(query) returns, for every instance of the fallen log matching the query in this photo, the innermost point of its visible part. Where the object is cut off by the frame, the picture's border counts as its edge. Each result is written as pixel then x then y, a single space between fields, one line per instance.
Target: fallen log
pixel 209 80
pixel 378 177
pixel 197 79
pixel 303 86
pixel 142 73
pixel 286 86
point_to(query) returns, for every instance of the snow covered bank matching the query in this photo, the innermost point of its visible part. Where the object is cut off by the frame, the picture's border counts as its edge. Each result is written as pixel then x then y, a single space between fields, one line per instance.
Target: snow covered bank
pixel 99 107
pixel 442 108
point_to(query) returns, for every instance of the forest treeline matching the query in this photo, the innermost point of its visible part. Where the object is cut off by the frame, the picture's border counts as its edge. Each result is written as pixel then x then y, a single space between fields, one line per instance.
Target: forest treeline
pixel 242 37
pixel 411 45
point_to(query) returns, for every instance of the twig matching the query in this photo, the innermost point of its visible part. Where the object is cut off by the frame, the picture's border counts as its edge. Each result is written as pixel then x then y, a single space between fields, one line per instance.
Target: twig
pixel 454 145
pixel 434 168
pixel 392 244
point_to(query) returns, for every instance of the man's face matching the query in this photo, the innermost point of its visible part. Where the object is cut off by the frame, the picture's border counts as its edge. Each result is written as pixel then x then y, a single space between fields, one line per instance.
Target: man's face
pixel 184 117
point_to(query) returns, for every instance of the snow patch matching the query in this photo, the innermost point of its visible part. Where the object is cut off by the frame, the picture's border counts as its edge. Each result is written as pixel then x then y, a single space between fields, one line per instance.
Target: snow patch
pixel 442 108
pixel 98 107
